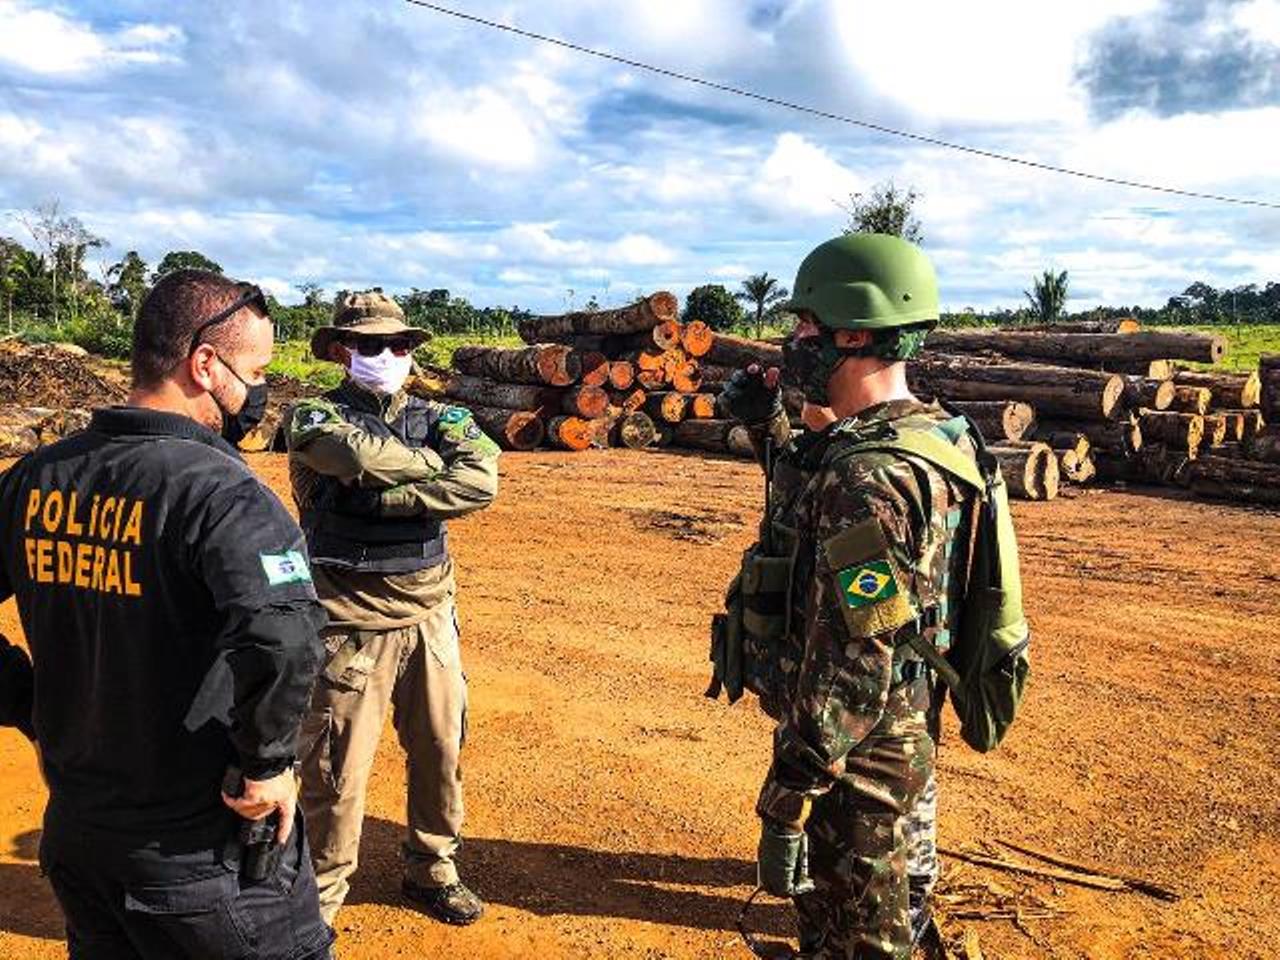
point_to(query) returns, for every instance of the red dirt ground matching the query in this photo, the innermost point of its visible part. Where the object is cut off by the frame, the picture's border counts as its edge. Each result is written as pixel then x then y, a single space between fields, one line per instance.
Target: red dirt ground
pixel 610 803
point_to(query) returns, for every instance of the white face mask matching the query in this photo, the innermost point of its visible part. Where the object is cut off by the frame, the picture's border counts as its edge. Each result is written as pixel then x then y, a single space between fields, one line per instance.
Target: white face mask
pixel 384 374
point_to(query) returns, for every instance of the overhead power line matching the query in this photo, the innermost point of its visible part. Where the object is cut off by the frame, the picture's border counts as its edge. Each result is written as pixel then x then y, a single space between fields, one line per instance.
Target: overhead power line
pixel 840 118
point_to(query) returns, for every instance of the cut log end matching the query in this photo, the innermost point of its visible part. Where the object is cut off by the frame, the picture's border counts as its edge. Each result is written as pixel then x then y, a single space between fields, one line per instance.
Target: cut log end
pixel 697 338
pixel 622 375
pixel 571 433
pixel 635 431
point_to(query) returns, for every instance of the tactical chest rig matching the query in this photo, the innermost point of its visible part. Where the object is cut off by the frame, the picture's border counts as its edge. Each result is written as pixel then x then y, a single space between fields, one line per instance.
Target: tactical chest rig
pixel 370 543
pixel 753 646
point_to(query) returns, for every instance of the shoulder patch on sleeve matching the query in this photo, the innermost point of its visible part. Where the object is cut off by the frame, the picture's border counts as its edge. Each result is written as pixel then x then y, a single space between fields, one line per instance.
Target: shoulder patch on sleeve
pixel 452 415
pixel 287 567
pixel 872 595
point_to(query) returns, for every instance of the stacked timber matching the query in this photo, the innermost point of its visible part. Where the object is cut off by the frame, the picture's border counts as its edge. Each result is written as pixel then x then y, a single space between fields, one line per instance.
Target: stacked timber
pixel 1112 403
pixel 1101 401
pixel 632 377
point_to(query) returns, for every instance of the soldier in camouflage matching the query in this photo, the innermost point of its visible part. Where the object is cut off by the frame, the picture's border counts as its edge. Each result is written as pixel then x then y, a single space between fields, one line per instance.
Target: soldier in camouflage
pixel 376 473
pixel 849 802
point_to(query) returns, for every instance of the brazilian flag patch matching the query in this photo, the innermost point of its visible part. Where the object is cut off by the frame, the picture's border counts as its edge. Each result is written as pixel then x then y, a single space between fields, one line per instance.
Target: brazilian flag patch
pixel 867 583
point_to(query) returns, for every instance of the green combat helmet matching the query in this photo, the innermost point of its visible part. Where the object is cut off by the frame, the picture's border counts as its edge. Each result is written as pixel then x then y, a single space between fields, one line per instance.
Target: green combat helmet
pixel 862 281
pixel 867 281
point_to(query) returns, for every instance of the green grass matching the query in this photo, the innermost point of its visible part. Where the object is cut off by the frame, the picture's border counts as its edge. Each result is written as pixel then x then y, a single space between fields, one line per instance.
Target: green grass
pixel 1245 343
pixel 293 359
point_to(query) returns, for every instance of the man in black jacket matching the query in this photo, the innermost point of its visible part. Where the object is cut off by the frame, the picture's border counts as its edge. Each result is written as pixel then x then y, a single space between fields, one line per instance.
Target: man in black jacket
pixel 168 605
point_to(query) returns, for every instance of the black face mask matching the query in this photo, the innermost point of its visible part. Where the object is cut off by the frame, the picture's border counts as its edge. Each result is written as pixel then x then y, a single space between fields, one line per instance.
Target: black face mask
pixel 236 426
pixel 808 363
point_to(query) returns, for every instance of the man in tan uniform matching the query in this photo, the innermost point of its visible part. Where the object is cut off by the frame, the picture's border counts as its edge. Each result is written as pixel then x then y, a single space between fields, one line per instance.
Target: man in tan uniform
pixel 376 473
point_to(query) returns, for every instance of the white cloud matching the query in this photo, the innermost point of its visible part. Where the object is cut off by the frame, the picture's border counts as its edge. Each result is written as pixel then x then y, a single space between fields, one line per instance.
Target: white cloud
pixel 45 41
pixel 799 177
pixel 1259 18
pixel 1000 62
pixel 423 152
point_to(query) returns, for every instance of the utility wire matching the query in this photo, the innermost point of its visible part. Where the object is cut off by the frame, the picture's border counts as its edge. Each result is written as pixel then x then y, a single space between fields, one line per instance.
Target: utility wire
pixel 840 118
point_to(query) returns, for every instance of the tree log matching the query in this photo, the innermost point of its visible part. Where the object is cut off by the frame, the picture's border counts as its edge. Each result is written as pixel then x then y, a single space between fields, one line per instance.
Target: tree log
pixel 668 407
pixel 1264 446
pixel 1212 489
pixel 999 420
pixel 552 364
pixel 635 431
pixel 661 336
pixel 1236 391
pixel 737 352
pixel 1191 400
pixel 701 406
pixel 1062 437
pixel 1092 348
pixel 571 433
pixel 651 379
pixel 1122 436
pixel 594 367
pixel 1113 325
pixel 641 315
pixel 687 378
pixel 1052 391
pixel 512 429
pixel 1229 471
pixel 696 338
pixel 1252 423
pixel 1030 470
pixel 1182 431
pixel 1215 429
pixel 622 375
pixel 586 402
pixel 703 434
pixel 629 401
pixel 1077 469
pixel 1152 394
pixel 1235 425
pixel 509 396
pixel 715 373
pixel 646 360
pixel 1269 375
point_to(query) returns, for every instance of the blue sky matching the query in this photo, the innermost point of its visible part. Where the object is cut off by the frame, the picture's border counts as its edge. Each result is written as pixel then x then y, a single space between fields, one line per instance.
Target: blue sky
pixel 352 144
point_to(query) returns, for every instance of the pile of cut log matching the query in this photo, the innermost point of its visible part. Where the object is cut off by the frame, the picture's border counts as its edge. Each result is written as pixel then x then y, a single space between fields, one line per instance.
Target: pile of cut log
pixel 631 377
pixel 1113 404
pixel 1060 405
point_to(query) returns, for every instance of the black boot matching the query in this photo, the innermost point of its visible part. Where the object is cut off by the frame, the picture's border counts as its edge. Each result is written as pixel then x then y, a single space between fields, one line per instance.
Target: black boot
pixel 452 903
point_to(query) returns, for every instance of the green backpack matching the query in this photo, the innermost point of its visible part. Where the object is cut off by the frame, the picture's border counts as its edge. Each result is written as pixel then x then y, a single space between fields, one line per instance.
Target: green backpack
pixel 986 667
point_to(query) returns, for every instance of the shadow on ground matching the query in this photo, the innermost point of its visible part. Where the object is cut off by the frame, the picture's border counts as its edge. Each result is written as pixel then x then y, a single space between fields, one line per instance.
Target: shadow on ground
pixel 548 879
pixel 27 906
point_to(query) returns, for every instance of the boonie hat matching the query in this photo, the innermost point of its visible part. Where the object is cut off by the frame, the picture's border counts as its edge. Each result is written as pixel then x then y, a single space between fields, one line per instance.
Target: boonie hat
pixel 369 313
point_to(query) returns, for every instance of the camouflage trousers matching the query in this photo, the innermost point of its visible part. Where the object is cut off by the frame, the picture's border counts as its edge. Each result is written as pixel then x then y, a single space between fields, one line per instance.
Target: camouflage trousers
pixel 859 840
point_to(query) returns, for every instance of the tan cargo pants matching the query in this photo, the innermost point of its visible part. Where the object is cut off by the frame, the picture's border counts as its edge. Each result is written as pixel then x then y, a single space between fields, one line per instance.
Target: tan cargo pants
pixel 417 671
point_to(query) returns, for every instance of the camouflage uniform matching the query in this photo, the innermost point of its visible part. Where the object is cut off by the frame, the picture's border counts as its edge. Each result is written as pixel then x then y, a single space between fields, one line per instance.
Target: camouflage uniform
pixel 877 561
pixel 367 464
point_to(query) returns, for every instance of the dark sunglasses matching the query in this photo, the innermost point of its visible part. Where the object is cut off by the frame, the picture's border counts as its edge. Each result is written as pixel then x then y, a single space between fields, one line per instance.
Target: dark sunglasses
pixel 250 295
pixel 370 346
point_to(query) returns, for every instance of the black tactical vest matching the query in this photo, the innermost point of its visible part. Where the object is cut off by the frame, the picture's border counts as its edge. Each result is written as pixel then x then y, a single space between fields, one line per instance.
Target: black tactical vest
pixel 368 543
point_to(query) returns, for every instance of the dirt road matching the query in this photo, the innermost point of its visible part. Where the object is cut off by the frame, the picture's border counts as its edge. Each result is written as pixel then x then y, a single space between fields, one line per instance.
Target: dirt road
pixel 610 804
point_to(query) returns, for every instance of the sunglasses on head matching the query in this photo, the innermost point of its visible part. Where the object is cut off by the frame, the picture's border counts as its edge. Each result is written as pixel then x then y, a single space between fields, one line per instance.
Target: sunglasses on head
pixel 371 346
pixel 250 295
